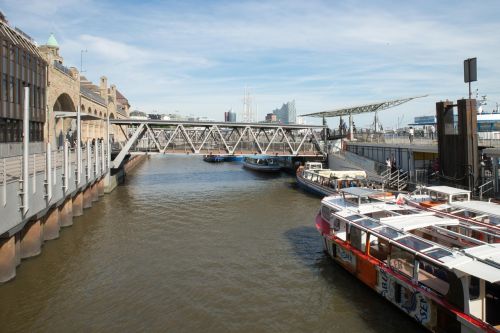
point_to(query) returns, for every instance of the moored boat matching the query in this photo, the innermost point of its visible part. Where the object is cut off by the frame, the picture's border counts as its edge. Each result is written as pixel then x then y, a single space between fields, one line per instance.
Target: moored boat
pixel 415 259
pixel 262 163
pixel 233 158
pixel 213 158
pixel 313 178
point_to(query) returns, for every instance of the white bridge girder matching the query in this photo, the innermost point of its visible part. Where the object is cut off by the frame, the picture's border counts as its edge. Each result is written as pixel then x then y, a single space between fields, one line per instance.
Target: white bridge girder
pixel 174 137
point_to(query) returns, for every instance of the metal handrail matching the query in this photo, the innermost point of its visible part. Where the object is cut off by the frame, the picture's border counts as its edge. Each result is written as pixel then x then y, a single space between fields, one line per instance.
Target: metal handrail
pixel 482 191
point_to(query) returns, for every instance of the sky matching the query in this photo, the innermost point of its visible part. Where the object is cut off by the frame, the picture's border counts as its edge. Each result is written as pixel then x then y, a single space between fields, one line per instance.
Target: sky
pixel 197 57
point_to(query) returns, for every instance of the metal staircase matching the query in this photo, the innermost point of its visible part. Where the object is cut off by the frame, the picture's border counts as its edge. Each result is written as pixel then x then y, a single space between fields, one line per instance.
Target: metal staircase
pixel 397 180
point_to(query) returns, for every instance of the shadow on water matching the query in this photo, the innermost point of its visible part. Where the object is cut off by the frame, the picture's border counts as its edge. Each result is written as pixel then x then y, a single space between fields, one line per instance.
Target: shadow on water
pixel 294 186
pixel 378 312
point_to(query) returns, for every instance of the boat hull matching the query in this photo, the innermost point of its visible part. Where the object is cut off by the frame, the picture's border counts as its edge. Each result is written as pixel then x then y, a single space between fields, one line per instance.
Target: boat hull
pixel 213 159
pixel 314 188
pixel 262 168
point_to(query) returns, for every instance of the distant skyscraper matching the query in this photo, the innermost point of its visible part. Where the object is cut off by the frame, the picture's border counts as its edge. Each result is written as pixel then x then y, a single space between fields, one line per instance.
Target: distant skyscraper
pixel 230 116
pixel 287 114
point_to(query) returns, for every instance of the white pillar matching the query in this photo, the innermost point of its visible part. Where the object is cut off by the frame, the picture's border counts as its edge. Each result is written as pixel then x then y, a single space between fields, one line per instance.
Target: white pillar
pixel 78 146
pixel 48 171
pixel 351 132
pixel 26 142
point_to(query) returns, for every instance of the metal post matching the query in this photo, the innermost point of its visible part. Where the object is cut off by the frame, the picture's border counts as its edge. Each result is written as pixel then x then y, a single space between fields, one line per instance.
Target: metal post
pixel 89 160
pixel 108 143
pixel 351 134
pixel 26 141
pixel 48 172
pixel 102 157
pixel 66 166
pixel 96 158
pixel 78 146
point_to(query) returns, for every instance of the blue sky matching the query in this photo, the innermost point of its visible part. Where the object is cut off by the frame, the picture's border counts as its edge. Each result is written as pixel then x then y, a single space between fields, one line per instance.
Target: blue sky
pixel 197 56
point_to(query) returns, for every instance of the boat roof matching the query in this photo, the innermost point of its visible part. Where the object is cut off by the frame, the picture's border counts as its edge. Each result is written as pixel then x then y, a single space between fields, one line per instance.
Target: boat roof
pixel 482 207
pixel 360 191
pixel 447 190
pixel 417 221
pixel 340 173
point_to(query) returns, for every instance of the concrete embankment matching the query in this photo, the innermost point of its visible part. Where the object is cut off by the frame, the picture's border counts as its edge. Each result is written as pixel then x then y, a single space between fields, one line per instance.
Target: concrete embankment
pixel 26 239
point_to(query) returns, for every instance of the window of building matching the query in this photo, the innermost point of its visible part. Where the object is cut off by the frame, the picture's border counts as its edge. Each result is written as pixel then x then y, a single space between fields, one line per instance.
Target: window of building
pixel 11 90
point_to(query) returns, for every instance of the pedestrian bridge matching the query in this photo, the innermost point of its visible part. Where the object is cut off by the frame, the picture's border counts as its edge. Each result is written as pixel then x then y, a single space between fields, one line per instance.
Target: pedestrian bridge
pixel 221 138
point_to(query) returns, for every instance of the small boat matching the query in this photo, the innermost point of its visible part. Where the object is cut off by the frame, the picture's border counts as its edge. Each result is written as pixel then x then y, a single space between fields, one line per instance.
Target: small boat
pixel 323 182
pixel 213 158
pixel 434 268
pixel 233 158
pixel 262 163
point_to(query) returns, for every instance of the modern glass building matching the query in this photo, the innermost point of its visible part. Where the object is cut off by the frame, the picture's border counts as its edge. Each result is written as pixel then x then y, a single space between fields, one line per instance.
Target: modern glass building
pixel 22 66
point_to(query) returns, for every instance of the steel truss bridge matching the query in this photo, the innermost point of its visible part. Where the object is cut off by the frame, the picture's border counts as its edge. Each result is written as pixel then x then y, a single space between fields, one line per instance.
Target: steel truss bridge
pixel 218 138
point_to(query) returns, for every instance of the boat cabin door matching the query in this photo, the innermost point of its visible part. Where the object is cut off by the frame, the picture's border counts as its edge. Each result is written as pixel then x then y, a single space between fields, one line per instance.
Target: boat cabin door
pixel 477 297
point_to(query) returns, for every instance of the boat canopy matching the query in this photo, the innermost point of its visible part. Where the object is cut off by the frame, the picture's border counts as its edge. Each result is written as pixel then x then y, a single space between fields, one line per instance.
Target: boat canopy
pixel 412 222
pixel 342 174
pixel 480 207
pixel 448 190
pixel 359 191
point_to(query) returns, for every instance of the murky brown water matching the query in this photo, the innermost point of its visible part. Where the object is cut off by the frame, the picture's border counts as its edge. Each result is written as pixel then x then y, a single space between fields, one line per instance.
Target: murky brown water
pixel 187 246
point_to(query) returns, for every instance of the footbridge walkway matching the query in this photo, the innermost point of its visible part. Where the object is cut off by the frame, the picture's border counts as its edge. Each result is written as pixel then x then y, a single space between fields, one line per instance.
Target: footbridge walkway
pixel 221 138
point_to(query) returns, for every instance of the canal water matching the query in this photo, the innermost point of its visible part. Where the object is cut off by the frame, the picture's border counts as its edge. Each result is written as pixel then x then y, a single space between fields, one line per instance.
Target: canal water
pixel 188 246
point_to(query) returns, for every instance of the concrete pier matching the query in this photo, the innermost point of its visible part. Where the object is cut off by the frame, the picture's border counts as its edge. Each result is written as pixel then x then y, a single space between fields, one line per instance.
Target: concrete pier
pixel 87 198
pixel 7 258
pixel 51 225
pixel 94 192
pixel 31 239
pixel 100 187
pixel 78 204
pixel 66 213
pixel 18 248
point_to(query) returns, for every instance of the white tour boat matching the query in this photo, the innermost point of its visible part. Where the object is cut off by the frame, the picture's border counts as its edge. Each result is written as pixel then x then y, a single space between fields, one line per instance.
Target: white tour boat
pixel 446 280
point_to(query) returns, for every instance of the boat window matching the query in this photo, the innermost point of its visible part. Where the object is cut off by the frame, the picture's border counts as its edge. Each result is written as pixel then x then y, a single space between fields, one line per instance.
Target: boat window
pixel 402 261
pixel 354 217
pixel 379 248
pixel 367 223
pixel 390 232
pixel 438 253
pixel 336 224
pixel 325 212
pixel 437 196
pixel 408 211
pixel 414 243
pixel 460 197
pixel 433 277
pixel 357 237
pixel 493 303
pixel 474 288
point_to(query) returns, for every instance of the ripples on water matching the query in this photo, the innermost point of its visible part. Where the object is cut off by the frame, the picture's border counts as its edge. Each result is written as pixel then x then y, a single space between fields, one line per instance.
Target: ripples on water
pixel 187 246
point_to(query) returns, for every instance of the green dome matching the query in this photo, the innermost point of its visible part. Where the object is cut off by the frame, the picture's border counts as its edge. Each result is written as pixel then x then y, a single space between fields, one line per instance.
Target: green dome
pixel 52 41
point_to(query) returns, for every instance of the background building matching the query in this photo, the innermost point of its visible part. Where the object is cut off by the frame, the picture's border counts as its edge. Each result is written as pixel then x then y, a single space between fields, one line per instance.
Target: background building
pixel 230 116
pixel 287 114
pixel 68 90
pixel 22 66
pixel 271 118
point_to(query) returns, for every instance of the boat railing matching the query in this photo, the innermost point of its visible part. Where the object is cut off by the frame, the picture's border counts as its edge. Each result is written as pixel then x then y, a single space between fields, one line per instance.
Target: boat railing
pixel 485 188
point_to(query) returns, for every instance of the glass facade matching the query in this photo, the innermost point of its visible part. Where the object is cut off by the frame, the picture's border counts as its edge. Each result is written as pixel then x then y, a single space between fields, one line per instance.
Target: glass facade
pixel 21 66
